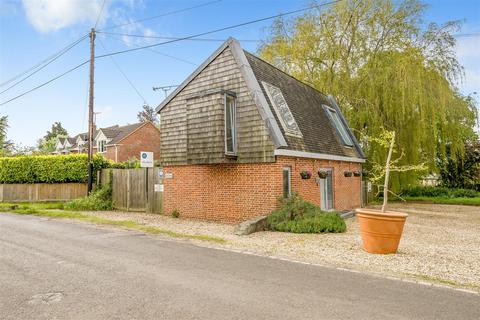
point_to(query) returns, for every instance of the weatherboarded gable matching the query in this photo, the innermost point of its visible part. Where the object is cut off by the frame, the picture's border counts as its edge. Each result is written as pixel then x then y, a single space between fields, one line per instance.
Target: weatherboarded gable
pixel 192 121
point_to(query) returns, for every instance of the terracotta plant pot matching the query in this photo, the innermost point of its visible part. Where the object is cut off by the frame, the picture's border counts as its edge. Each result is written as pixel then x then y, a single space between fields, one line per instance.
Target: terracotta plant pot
pixel 381 231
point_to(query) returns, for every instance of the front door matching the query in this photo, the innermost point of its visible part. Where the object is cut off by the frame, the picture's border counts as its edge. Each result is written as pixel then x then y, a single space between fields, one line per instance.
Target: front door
pixel 326 191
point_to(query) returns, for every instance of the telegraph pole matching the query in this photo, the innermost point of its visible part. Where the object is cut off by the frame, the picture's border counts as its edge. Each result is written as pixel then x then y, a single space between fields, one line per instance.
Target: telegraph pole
pixel 90 110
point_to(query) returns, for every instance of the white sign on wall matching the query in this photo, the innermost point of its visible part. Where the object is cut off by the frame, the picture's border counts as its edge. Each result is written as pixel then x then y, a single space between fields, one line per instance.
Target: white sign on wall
pixel 146 159
pixel 158 187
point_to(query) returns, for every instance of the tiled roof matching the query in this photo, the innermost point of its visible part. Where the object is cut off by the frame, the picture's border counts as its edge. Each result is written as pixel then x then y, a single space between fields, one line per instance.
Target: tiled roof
pixel 116 134
pixel 305 103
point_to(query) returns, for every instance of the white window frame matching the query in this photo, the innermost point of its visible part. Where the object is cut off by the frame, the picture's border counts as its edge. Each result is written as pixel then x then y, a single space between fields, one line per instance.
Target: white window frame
pixel 234 124
pixel 102 146
pixel 342 131
pixel 289 170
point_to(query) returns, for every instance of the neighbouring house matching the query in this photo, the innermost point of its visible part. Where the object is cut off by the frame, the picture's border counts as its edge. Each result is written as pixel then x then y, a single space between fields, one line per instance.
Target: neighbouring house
pixel 117 143
pixel 238 133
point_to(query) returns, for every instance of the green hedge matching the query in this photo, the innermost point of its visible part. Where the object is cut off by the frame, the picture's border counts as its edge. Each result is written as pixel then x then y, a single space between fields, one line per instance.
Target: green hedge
pixel 48 169
pixel 440 192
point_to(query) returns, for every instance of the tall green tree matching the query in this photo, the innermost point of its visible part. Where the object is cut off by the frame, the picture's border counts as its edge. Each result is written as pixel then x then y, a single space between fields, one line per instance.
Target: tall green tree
pixel 386 71
pixel 464 173
pixel 49 140
pixel 6 145
pixel 148 114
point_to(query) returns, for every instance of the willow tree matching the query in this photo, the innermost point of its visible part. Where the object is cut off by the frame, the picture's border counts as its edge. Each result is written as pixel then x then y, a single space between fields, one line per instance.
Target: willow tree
pixel 386 72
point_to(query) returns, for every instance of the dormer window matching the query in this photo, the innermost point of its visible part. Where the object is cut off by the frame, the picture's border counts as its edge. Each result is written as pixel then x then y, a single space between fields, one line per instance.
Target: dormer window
pixel 101 146
pixel 230 125
pixel 339 126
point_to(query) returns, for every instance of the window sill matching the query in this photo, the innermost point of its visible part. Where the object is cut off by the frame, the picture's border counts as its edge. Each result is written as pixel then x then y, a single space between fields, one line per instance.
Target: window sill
pixel 230 156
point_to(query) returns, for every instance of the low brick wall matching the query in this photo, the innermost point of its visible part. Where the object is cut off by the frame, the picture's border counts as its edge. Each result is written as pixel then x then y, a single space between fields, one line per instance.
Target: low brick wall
pixel 33 192
pixel 237 192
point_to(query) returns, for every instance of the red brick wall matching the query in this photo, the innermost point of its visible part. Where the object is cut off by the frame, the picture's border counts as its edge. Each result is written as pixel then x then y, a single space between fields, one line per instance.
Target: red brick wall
pixel 236 192
pixel 146 138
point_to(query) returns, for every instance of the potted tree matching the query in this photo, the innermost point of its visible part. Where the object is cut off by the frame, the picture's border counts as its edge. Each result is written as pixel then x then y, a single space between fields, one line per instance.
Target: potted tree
pixel 381 230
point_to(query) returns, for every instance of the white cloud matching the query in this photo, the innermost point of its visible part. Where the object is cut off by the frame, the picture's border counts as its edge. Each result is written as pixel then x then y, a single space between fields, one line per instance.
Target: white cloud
pixel 52 15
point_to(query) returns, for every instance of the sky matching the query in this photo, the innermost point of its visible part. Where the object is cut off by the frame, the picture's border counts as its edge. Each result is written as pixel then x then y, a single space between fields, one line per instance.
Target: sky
pixel 32 30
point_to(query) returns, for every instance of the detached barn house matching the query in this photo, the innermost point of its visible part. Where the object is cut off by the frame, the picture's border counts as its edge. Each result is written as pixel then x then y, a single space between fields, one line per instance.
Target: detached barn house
pixel 238 133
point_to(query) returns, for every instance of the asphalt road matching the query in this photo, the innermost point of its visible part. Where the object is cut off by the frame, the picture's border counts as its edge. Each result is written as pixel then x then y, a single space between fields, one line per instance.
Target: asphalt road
pixel 51 269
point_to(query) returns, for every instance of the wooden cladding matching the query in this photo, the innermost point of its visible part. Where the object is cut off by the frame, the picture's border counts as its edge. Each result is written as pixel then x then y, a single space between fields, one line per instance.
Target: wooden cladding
pixel 193 122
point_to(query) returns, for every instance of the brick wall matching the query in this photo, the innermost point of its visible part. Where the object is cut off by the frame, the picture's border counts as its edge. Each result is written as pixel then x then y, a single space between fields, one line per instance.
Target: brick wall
pixel 146 138
pixel 236 192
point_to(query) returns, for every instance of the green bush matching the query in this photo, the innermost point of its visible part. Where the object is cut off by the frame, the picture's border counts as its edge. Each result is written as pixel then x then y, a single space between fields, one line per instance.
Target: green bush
pixel 443 192
pixel 175 213
pixel 99 199
pixel 48 169
pixel 300 216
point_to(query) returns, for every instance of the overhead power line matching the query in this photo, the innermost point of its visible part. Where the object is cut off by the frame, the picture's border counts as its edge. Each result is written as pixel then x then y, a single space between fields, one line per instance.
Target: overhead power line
pixel 166 42
pixel 100 13
pixel 171 38
pixel 219 30
pixel 47 82
pixel 157 52
pixel 161 15
pixel 54 56
pixel 61 53
pixel 461 35
pixel 124 75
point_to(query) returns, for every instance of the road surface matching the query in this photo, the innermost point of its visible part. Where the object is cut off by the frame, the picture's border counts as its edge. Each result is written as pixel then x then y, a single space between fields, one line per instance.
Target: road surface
pixel 53 269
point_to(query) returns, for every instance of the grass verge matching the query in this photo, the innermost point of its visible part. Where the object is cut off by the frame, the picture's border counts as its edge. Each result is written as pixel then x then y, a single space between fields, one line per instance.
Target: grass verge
pixel 31 205
pixel 129 224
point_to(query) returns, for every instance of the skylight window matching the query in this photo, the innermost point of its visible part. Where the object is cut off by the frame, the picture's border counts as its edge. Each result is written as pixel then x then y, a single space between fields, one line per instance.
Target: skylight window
pixel 337 123
pixel 282 110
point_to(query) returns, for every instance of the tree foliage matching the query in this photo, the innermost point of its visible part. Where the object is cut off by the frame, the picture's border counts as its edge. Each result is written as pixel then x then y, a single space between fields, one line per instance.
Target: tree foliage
pixel 148 114
pixel 464 173
pixel 6 145
pixel 49 140
pixel 373 56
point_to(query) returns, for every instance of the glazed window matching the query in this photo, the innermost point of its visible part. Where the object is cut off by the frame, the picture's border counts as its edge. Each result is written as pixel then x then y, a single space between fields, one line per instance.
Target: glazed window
pixel 287 179
pixel 230 125
pixel 101 146
pixel 337 123
pixel 282 110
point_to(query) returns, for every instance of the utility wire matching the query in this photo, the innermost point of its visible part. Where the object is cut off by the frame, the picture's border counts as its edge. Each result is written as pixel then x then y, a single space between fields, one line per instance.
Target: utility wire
pixel 172 38
pixel 218 30
pixel 158 44
pixel 60 52
pixel 162 15
pixel 157 52
pixel 47 82
pixel 124 75
pixel 46 64
pixel 461 35
pixel 100 13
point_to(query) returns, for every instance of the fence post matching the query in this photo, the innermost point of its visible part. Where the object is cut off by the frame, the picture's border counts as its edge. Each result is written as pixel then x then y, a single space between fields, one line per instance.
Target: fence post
pixel 128 189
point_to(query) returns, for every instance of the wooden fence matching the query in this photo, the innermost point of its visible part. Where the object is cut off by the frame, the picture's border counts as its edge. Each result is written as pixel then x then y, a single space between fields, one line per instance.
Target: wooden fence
pixel 135 189
pixel 34 192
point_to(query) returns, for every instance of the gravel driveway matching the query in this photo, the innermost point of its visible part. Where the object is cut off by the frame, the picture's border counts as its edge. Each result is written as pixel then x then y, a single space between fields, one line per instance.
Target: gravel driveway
pixel 440 244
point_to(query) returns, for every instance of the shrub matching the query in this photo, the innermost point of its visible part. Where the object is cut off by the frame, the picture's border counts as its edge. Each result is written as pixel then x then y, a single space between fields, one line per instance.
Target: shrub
pixel 48 169
pixel 443 192
pixel 175 213
pixel 98 199
pixel 300 216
